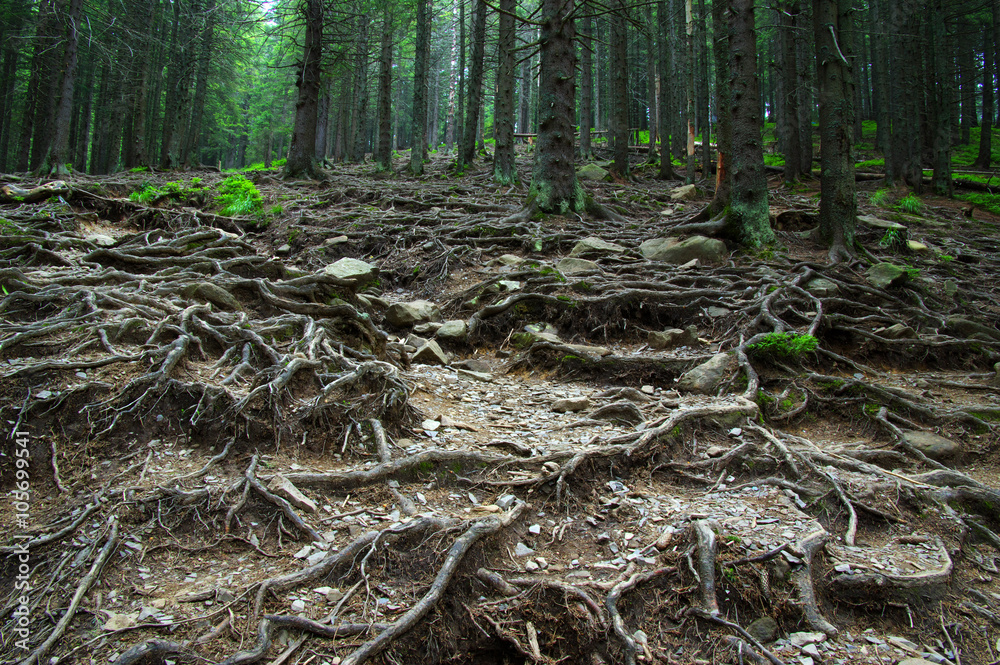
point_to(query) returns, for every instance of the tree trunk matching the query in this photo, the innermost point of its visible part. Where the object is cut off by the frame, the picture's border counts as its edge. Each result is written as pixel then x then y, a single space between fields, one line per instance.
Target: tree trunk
pixel 838 200
pixel 8 80
pixel 504 169
pixel 323 119
pixel 192 150
pixel 460 118
pixel 586 84
pixel 359 141
pixel 619 90
pixel 419 138
pixel 449 135
pixel 804 60
pixel 650 31
pixel 880 77
pixel 301 159
pixel 967 80
pixel 689 79
pixel 941 95
pixel 748 221
pixel 59 153
pixel 984 158
pixel 383 157
pixel 475 83
pixel 791 136
pixel 554 187
pixel 667 110
pixel 704 117
pixel 724 104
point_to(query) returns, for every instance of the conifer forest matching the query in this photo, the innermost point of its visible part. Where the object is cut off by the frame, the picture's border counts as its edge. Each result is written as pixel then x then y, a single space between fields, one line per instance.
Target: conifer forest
pixel 499 332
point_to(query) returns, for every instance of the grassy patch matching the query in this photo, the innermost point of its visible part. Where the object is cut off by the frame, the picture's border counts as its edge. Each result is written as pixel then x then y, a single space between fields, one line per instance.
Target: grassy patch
pixel 990 202
pixel 784 345
pixel 239 196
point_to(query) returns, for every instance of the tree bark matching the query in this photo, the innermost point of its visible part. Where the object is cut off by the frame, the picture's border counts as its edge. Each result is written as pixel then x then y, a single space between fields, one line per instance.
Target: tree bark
pixel 689 79
pixel 554 187
pixel 667 110
pixel 704 115
pixel 58 155
pixel 301 159
pixel 192 148
pixel 359 142
pixel 475 84
pixel 504 170
pixel 940 101
pixel 791 136
pixel 619 90
pixel 804 60
pixel 418 140
pixel 723 102
pixel 383 157
pixel 838 200
pixel 985 156
pixel 648 34
pixel 586 84
pixel 748 222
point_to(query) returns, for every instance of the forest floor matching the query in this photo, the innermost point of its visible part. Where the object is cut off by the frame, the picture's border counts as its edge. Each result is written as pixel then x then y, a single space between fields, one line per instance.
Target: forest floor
pixel 235 456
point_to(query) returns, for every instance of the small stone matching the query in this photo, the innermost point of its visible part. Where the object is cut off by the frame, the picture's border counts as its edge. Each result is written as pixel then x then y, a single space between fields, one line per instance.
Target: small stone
pixel 591 172
pixel 101 240
pixel 571 404
pixel 455 330
pixel 822 288
pixel 284 488
pixel 224 595
pixel 811 650
pixel 431 354
pixel 933 445
pixel 684 193
pixel 802 639
pixel 428 328
pixel 510 260
pixel 542 562
pixel 430 425
pixel 531 566
pixel 159 603
pixel 485 377
pixel 284 250
pixel 672 337
pixel 506 501
pixel 649 390
pixel 334 595
pixel 593 246
pixel 899 331
pixel 523 550
pixel 316 557
pixel 705 378
pixel 572 266
pixel 715 451
pixel 535 529
pixel 357 271
pixel 884 275
pixel 304 552
pixel 764 629
pixel 709 251
pixel 298 605
pixel 406 314
pixel 337 240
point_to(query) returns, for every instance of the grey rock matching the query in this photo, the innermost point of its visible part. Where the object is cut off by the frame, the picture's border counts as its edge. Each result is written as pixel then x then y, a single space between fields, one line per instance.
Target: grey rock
pixel 916 661
pixel 571 266
pixel 822 288
pixel 546 328
pixel 506 501
pixel 531 566
pixel 337 240
pixel 962 327
pixel 523 550
pixel 716 312
pixel 510 260
pixel 571 404
pixel 473 365
pixel 899 331
pixel 802 639
pixel 431 354
pixel 764 629
pixel 454 330
pixel 485 377
pixel 428 328
pixel 509 286
pixel 223 595
pixel 684 193
pixel 673 337
pixel 357 271
pixel 933 445
pixel 705 378
pixel 916 247
pixel 284 250
pixel 100 240
pixel 284 488
pixel 415 341
pixel 591 172
pixel 596 247
pixel 651 248
pixel 298 605
pixel 403 314
pixel 876 223
pixel 707 250
pixel 212 293
pixel 715 451
pixel 587 350
pixel 884 275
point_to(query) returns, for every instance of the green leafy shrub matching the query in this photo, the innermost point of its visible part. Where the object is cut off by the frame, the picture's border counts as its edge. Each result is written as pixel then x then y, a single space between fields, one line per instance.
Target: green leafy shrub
pixel 879 197
pixel 239 196
pixel 911 204
pixel 784 345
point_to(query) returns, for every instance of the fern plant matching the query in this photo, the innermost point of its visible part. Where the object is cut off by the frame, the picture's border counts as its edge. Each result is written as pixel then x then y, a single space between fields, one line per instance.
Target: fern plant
pixel 911 204
pixel 239 196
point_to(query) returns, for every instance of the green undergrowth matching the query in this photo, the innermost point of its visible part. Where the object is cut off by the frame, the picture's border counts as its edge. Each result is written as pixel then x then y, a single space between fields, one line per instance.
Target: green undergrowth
pixel 152 194
pixel 988 202
pixel 239 197
pixel 784 345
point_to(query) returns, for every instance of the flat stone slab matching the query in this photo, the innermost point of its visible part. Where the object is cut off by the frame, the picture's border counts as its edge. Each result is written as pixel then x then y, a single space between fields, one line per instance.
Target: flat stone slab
pixel 284 488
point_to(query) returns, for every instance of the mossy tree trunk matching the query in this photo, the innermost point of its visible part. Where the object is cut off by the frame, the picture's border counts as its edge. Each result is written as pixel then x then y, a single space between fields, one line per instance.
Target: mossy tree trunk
pixel 504 170
pixel 475 100
pixel 302 151
pixel 419 127
pixel 383 157
pixel 723 102
pixel 554 187
pixel 619 90
pixel 748 221
pixel 984 157
pixel 586 84
pixel 834 48
pixel 667 108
